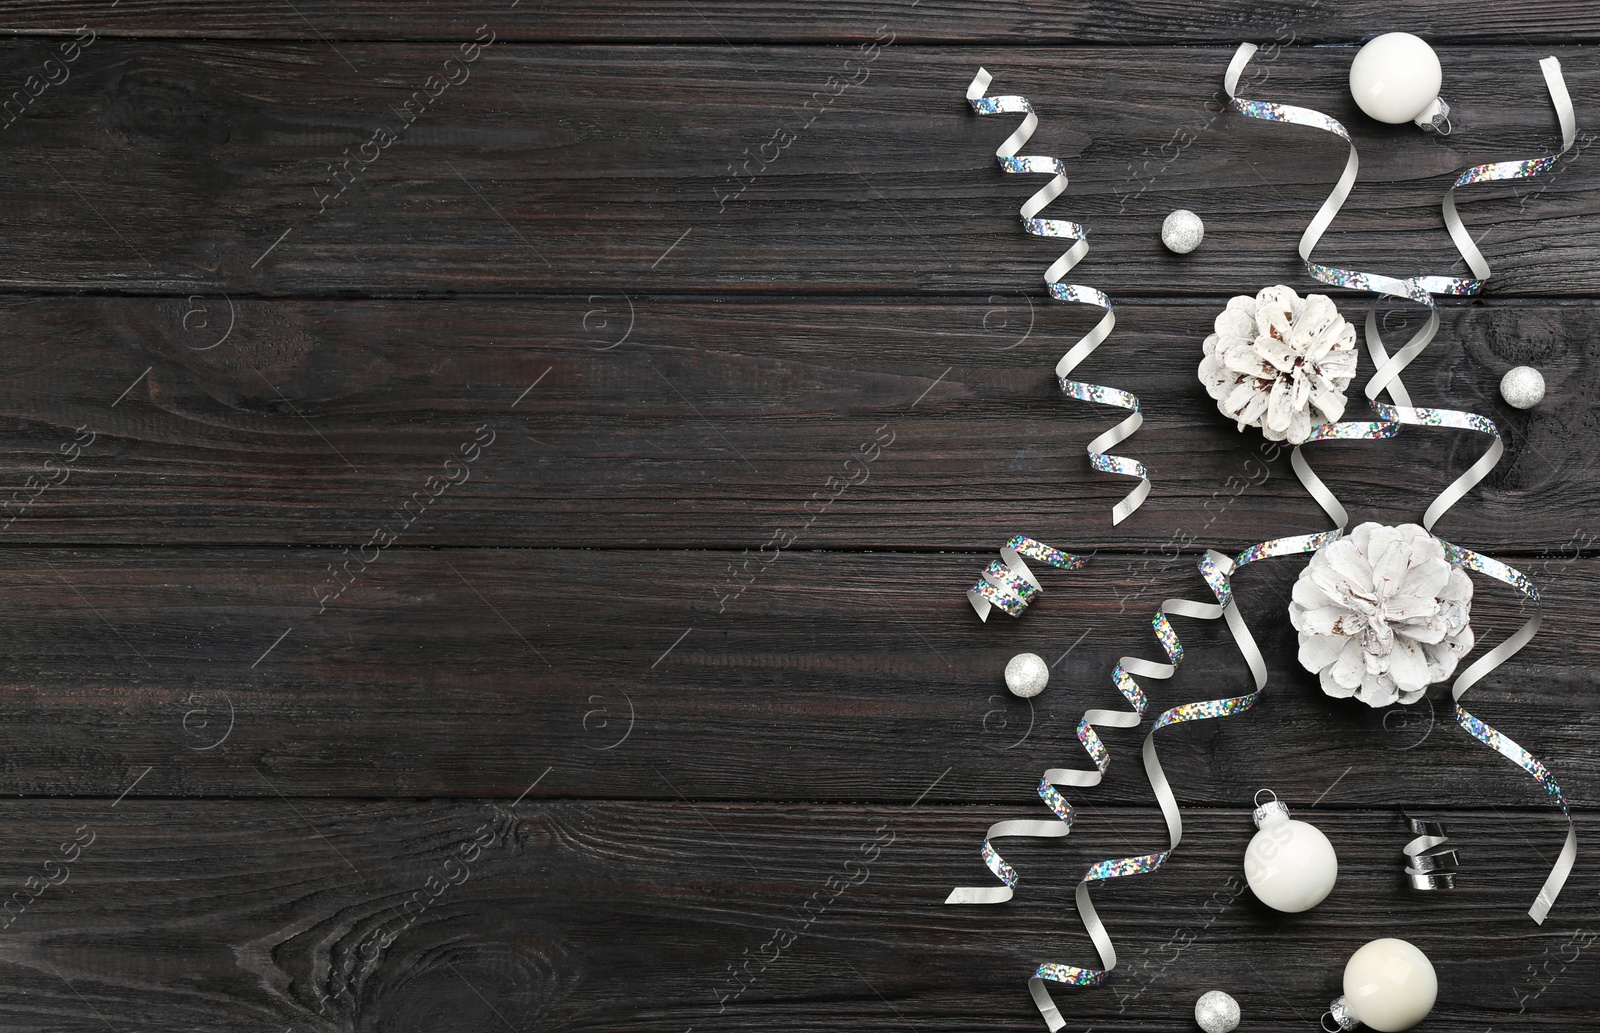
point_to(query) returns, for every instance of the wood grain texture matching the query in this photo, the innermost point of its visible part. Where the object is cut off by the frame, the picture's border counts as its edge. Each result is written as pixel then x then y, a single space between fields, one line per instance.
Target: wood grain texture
pixel 206 167
pixel 473 915
pixel 392 610
pixel 1013 22
pixel 671 422
pixel 650 675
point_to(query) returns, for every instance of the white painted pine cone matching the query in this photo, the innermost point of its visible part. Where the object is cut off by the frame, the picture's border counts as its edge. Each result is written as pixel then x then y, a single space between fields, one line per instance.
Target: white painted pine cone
pixel 1382 614
pixel 1280 362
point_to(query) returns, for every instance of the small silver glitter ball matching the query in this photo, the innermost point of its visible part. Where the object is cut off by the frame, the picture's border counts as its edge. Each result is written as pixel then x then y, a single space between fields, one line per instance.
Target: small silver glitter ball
pixel 1182 231
pixel 1027 675
pixel 1216 1012
pixel 1522 387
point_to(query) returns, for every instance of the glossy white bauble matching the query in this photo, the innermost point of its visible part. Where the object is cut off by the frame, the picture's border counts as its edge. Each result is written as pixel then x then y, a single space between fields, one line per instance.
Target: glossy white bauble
pixel 1290 865
pixel 1390 985
pixel 1395 77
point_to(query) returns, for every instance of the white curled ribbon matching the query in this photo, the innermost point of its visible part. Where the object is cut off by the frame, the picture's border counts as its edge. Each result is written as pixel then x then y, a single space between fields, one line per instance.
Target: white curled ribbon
pixel 1011 162
pixel 1007 582
pixel 1386 379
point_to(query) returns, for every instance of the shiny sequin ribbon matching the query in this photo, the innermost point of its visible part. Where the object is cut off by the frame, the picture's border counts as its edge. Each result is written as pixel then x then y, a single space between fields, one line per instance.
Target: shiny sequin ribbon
pixel 1419 289
pixel 1215 568
pixel 1009 584
pixel 1429 864
pixel 1095 747
pixel 1494 739
pixel 1386 379
pixel 1010 161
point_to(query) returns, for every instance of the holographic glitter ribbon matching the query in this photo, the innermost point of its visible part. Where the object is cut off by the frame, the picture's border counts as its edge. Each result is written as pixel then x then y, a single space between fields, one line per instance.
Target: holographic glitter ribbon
pixel 1498 742
pixel 1095 747
pixel 1215 568
pixel 1419 289
pixel 1009 584
pixel 1386 378
pixel 1011 162
pixel 1429 865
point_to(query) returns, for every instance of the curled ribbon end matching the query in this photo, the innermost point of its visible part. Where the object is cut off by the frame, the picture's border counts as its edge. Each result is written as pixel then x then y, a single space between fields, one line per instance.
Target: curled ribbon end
pixel 1009 584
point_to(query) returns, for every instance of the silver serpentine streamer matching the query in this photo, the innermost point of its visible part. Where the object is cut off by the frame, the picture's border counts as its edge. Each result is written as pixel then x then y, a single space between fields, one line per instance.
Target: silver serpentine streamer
pixel 1215 568
pixel 1095 747
pixel 1419 289
pixel 1011 162
pixel 1500 743
pixel 1429 866
pixel 1386 378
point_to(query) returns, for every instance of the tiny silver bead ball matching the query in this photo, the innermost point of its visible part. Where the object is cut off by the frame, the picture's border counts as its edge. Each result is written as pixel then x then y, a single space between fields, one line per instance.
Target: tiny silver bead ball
pixel 1182 231
pixel 1216 1012
pixel 1522 387
pixel 1027 675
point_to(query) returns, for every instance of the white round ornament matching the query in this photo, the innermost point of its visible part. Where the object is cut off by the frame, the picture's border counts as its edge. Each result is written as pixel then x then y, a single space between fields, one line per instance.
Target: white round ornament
pixel 1216 1012
pixel 1027 675
pixel 1395 78
pixel 1182 231
pixel 1290 865
pixel 1389 985
pixel 1522 387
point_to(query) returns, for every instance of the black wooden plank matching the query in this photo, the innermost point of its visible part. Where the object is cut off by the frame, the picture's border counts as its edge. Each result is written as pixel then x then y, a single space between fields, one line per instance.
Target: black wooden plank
pixel 1026 22
pixel 670 422
pixel 829 677
pixel 476 915
pixel 178 168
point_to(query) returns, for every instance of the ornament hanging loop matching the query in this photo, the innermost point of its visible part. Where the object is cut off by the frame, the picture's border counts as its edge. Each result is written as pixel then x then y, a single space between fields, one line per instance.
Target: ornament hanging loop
pixel 1435 118
pixel 1338 1014
pixel 1274 810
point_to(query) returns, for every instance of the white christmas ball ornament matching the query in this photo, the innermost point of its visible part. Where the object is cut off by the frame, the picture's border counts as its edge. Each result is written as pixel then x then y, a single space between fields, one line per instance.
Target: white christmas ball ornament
pixel 1027 675
pixel 1182 231
pixel 1389 985
pixel 1216 1012
pixel 1290 865
pixel 1522 387
pixel 1396 77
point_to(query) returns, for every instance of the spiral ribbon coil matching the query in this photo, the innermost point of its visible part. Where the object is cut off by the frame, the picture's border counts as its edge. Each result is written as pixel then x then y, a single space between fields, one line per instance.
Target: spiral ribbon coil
pixel 1012 162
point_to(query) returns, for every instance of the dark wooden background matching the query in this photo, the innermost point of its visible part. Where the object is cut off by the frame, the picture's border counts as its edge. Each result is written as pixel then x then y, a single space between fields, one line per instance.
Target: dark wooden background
pixel 527 770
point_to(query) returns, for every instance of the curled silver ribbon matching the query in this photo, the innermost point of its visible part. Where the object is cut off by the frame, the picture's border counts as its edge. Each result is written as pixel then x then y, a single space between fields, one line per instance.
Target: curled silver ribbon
pixel 1419 289
pixel 1429 864
pixel 1386 378
pixel 1009 584
pixel 1011 162
pixel 1096 748
pixel 1494 739
pixel 1215 568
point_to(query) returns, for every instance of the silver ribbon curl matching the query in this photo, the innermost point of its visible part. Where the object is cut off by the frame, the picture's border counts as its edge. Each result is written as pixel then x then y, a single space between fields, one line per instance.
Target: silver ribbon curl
pixel 1429 865
pixel 1011 162
pixel 1386 379
pixel 1419 289
pixel 1009 584
pixel 1215 568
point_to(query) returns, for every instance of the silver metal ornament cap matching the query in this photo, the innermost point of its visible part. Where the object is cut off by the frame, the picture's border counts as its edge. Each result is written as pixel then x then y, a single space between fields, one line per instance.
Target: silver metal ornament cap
pixel 1271 812
pixel 1435 118
pixel 1339 1012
